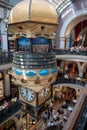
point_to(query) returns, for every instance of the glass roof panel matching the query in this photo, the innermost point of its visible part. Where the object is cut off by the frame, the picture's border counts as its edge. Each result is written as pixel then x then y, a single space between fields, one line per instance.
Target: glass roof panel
pixel 13 2
pixel 60 5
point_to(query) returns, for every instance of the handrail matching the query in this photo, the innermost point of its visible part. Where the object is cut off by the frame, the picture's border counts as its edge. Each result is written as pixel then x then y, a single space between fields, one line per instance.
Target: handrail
pixel 6 57
pixel 70 52
pixel 9 111
pixel 69 81
pixel 82 124
pixel 73 120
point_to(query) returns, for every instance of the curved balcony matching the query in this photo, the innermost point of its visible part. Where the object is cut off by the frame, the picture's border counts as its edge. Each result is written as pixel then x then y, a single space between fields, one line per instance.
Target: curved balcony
pixel 6 60
pixel 6 57
pixel 78 117
pixel 70 82
pixel 82 123
pixel 33 60
pixel 76 55
pixel 9 111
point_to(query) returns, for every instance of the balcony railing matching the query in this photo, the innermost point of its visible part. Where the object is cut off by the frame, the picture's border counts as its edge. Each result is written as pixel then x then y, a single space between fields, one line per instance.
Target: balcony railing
pixel 6 57
pixel 83 119
pixel 70 52
pixel 9 111
pixel 33 60
pixel 78 117
pixel 70 81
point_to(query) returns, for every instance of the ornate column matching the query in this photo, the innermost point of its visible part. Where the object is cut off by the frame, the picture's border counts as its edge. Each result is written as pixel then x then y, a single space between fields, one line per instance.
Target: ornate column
pixel 7 84
pixel 80 72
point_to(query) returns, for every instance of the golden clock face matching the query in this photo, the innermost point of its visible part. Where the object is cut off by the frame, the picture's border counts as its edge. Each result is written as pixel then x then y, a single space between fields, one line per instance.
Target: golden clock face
pixel 27 94
pixel 44 93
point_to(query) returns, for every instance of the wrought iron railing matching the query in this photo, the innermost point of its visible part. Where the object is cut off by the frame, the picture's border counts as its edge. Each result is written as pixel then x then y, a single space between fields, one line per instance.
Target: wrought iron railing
pixel 70 52
pixel 6 57
pixel 78 117
pixel 83 119
pixel 33 60
pixel 70 81
pixel 9 111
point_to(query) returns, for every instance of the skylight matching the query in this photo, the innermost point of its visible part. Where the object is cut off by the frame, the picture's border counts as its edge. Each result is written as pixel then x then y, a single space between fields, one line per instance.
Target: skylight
pixel 60 5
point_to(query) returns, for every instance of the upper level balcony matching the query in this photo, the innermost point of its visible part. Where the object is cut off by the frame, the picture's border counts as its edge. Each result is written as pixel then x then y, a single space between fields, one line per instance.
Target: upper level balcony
pixel 71 54
pixel 78 117
pixel 6 60
pixel 70 82
pixel 9 111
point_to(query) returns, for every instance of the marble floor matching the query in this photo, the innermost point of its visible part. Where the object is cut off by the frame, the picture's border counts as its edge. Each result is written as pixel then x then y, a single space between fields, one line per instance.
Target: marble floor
pixel 61 115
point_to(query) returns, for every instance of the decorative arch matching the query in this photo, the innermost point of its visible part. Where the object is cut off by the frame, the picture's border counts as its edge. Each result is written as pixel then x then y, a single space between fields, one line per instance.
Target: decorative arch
pixel 79 65
pixel 63 62
pixel 84 66
pixel 17 123
pixel 71 22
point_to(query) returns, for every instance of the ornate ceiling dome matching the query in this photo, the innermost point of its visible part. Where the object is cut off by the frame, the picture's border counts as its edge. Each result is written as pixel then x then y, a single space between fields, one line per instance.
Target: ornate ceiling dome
pixel 34 11
pixel 33 18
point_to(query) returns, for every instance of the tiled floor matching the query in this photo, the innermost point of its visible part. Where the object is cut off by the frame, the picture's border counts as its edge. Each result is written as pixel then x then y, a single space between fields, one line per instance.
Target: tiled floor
pixel 56 105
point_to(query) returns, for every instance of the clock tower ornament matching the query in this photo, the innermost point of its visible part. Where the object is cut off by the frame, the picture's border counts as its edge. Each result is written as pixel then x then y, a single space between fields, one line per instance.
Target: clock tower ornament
pixel 34 68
